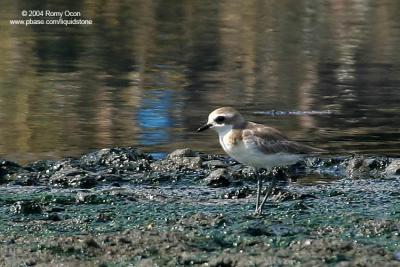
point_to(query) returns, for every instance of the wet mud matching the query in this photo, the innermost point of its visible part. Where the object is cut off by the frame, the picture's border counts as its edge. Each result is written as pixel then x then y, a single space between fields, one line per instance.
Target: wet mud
pixel 118 206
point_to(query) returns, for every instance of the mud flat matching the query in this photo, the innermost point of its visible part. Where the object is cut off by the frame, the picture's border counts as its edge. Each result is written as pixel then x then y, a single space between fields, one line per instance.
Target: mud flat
pixel 116 207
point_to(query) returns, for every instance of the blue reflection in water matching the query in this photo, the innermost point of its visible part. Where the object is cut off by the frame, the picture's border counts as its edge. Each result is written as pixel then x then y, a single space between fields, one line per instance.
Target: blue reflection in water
pixel 158 155
pixel 153 117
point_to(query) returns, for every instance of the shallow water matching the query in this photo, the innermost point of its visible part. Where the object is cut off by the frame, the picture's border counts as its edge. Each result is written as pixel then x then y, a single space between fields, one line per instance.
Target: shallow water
pixel 147 73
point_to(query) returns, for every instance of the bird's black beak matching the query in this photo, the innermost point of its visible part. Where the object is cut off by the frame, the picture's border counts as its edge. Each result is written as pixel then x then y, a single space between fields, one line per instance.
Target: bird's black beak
pixel 204 127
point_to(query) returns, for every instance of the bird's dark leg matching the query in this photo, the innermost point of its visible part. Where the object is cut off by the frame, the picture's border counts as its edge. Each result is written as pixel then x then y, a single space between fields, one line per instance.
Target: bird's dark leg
pixel 269 191
pixel 259 187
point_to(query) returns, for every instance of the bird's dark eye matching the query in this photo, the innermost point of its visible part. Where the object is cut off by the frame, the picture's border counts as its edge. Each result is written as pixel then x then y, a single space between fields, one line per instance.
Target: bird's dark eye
pixel 219 119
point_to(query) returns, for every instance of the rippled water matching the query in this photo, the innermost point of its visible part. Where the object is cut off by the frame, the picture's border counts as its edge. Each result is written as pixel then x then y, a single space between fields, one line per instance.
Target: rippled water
pixel 147 73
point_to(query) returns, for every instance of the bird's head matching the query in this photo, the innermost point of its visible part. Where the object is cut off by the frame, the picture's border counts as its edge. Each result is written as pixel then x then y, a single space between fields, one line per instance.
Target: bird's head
pixel 222 120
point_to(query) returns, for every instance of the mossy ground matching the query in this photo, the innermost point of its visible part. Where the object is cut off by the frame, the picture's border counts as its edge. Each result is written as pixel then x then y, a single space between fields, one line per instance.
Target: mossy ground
pixel 342 223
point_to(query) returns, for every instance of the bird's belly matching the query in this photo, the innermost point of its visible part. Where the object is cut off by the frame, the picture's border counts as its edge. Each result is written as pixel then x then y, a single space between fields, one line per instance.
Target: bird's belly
pixel 257 159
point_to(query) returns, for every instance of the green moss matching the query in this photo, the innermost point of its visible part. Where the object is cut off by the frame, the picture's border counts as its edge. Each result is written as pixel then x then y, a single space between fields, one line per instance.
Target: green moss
pixel 364 215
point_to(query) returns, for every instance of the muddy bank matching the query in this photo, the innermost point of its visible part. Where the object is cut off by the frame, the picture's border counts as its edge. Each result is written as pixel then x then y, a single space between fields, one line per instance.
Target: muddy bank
pixel 118 206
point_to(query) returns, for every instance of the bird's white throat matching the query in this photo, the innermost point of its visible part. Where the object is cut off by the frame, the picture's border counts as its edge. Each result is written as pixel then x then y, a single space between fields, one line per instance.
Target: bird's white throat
pixel 222 130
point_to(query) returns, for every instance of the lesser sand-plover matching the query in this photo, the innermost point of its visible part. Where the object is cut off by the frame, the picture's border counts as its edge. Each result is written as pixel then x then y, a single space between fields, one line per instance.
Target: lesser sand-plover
pixel 256 145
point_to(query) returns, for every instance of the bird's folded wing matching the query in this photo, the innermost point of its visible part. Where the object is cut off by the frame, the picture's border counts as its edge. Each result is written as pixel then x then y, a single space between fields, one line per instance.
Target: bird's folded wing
pixel 269 141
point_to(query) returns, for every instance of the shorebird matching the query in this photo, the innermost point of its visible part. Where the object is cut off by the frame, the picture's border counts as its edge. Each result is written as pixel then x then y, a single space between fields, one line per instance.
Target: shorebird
pixel 255 145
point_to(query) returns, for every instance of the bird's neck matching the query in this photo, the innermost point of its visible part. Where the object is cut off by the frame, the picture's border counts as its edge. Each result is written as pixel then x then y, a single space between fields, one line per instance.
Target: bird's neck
pixel 222 131
pixel 240 125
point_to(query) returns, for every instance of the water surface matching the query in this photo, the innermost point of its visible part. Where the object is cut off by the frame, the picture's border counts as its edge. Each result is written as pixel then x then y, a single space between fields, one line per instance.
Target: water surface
pixel 147 73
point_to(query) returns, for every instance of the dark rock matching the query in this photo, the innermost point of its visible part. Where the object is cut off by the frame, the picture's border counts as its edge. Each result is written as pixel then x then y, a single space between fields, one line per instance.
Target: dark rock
pixel 393 168
pixel 241 192
pixel 83 181
pixel 257 228
pixel 313 162
pixel 316 162
pixel 112 178
pixel 182 153
pixel 8 168
pixel 30 262
pixel 298 168
pixel 335 192
pixel 279 174
pixel 185 165
pixel 10 241
pixel 57 209
pixel 363 167
pixel 377 163
pixel 91 243
pixel 69 176
pixel 55 217
pixel 26 207
pixel 156 178
pixel 396 256
pixel 124 240
pixel 213 164
pixel 86 197
pixel 104 217
pixel 191 163
pixel 241 172
pixel 299 205
pixel 40 165
pixel 218 178
pixel 126 158
pixel 181 159
pixel 280 195
pixel 222 261
pixel 25 178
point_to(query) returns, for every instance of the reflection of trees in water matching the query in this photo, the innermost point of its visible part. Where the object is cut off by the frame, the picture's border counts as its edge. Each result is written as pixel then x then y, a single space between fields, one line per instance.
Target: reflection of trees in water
pixel 77 88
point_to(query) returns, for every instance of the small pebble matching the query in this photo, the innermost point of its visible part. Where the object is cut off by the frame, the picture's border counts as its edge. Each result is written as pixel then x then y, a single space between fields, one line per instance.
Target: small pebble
pixel 396 255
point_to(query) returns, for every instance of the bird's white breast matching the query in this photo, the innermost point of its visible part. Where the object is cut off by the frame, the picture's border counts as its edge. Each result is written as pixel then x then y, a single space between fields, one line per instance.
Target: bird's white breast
pixel 252 156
